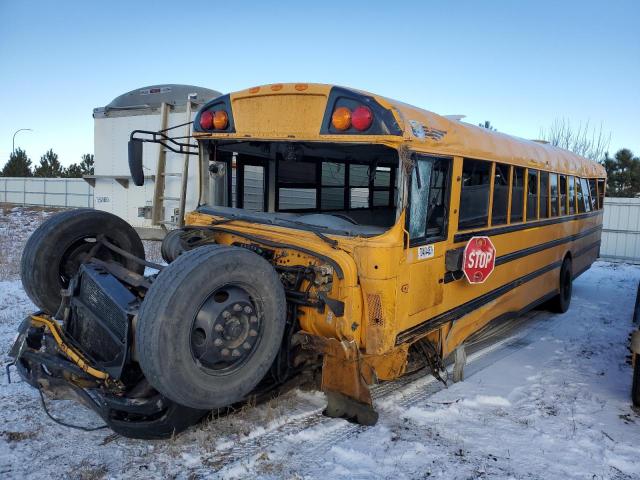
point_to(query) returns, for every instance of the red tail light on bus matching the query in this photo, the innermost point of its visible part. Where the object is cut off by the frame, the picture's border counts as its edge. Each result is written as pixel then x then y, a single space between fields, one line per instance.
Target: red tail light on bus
pixel 362 118
pixel 351 112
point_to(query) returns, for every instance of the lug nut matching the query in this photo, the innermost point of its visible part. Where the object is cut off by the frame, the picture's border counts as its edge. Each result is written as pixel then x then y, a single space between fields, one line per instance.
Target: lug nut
pixel 225 352
pixel 218 327
pixel 253 319
pixel 217 342
pixel 247 309
pixel 235 353
pixel 253 333
pixel 237 307
pixel 246 346
pixel 226 314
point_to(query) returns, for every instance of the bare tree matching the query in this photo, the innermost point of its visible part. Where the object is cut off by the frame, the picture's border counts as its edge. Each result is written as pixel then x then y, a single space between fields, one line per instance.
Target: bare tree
pixel 591 143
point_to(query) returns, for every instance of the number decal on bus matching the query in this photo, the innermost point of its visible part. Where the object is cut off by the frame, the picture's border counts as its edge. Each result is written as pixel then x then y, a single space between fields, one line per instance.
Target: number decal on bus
pixel 426 251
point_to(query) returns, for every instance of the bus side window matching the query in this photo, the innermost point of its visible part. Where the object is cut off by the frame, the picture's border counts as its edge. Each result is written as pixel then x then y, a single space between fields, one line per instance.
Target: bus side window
pixel 601 192
pixel 532 195
pixel 554 194
pixel 517 194
pixel 429 200
pixel 572 195
pixel 563 194
pixel 474 194
pixel 580 208
pixel 594 193
pixel 544 194
pixel 585 194
pixel 500 195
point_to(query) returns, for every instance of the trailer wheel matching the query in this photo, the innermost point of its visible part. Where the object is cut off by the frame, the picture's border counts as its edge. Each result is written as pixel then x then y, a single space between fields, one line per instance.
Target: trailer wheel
pixel 210 326
pixel 51 256
pixel 561 302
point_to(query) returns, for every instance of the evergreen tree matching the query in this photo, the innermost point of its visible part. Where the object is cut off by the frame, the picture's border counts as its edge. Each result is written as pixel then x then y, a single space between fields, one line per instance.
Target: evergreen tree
pixel 623 174
pixel 19 165
pixel 73 171
pixel 86 165
pixel 49 166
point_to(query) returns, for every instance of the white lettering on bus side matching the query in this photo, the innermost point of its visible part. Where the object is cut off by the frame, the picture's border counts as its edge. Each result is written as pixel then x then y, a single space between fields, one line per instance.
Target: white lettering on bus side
pixel 478 259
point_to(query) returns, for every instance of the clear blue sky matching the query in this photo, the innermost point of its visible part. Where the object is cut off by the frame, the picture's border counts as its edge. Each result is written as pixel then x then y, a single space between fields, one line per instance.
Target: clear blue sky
pixel 518 64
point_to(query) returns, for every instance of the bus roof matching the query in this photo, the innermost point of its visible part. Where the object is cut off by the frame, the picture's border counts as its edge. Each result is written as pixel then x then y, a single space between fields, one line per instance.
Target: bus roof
pixel 427 131
pixel 455 137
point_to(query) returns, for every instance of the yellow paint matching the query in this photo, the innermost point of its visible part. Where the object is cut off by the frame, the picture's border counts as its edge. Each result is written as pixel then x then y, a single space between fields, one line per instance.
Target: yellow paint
pixel 75 356
pixel 383 269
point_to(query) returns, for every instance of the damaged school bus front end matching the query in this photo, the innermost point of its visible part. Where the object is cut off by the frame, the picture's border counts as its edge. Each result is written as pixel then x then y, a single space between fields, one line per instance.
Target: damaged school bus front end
pixel 290 262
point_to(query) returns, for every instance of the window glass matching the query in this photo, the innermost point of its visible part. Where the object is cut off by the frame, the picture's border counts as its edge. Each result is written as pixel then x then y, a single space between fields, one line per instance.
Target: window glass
pixel 420 197
pixel 253 188
pixel 500 194
pixel 474 195
pixel 383 177
pixel 358 175
pixel 580 207
pixel 563 195
pixel 593 193
pixel 359 198
pixel 532 195
pixel 332 198
pixel 553 181
pixel 601 192
pixel 332 174
pixel 381 198
pixel 517 194
pixel 292 172
pixel 437 214
pixel 296 198
pixel 544 194
pixel 572 195
pixel 428 210
pixel 586 194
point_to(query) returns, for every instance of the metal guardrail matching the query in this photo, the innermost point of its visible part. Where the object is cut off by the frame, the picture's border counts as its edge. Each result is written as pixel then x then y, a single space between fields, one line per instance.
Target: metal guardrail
pixel 47 192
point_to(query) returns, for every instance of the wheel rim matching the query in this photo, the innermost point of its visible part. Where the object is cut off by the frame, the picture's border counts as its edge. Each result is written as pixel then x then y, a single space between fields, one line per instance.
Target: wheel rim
pixel 71 260
pixel 226 330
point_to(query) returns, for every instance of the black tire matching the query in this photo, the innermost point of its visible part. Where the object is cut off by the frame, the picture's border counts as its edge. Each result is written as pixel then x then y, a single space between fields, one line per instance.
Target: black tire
pixel 172 308
pixel 172 421
pixel 635 387
pixel 561 302
pixel 51 255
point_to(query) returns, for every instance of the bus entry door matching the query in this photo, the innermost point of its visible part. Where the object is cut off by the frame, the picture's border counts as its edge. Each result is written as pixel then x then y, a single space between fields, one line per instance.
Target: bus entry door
pixel 428 221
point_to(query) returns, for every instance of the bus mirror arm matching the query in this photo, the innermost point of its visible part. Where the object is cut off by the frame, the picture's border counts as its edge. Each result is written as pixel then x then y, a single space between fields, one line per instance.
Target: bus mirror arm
pixel 138 137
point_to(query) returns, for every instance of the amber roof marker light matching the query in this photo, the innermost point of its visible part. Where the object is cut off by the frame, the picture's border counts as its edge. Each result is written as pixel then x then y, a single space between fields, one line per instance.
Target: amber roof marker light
pixel 220 120
pixel 341 118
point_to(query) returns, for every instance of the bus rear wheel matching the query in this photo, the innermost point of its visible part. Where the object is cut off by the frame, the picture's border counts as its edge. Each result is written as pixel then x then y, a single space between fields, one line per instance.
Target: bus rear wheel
pixel 561 302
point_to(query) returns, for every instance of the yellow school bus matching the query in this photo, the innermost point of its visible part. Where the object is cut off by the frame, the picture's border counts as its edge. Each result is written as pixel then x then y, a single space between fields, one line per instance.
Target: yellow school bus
pixel 334 224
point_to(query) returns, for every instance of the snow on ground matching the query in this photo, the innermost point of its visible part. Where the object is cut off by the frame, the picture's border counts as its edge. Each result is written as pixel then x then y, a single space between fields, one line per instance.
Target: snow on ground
pixel 557 406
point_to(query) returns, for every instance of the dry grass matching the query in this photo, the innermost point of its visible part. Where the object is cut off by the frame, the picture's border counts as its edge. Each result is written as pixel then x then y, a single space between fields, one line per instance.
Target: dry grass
pixel 16 226
pixel 11 436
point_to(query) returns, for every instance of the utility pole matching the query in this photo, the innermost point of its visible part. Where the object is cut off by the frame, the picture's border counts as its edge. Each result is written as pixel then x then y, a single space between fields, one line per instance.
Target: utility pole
pixel 13 145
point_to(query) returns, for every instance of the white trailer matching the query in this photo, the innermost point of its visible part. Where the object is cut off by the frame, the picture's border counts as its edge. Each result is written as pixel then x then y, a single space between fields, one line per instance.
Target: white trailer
pixel 149 108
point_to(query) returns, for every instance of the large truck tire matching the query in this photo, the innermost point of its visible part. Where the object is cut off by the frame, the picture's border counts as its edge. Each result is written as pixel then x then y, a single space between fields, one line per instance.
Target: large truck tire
pixel 211 326
pixel 561 302
pixel 175 419
pixel 51 256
